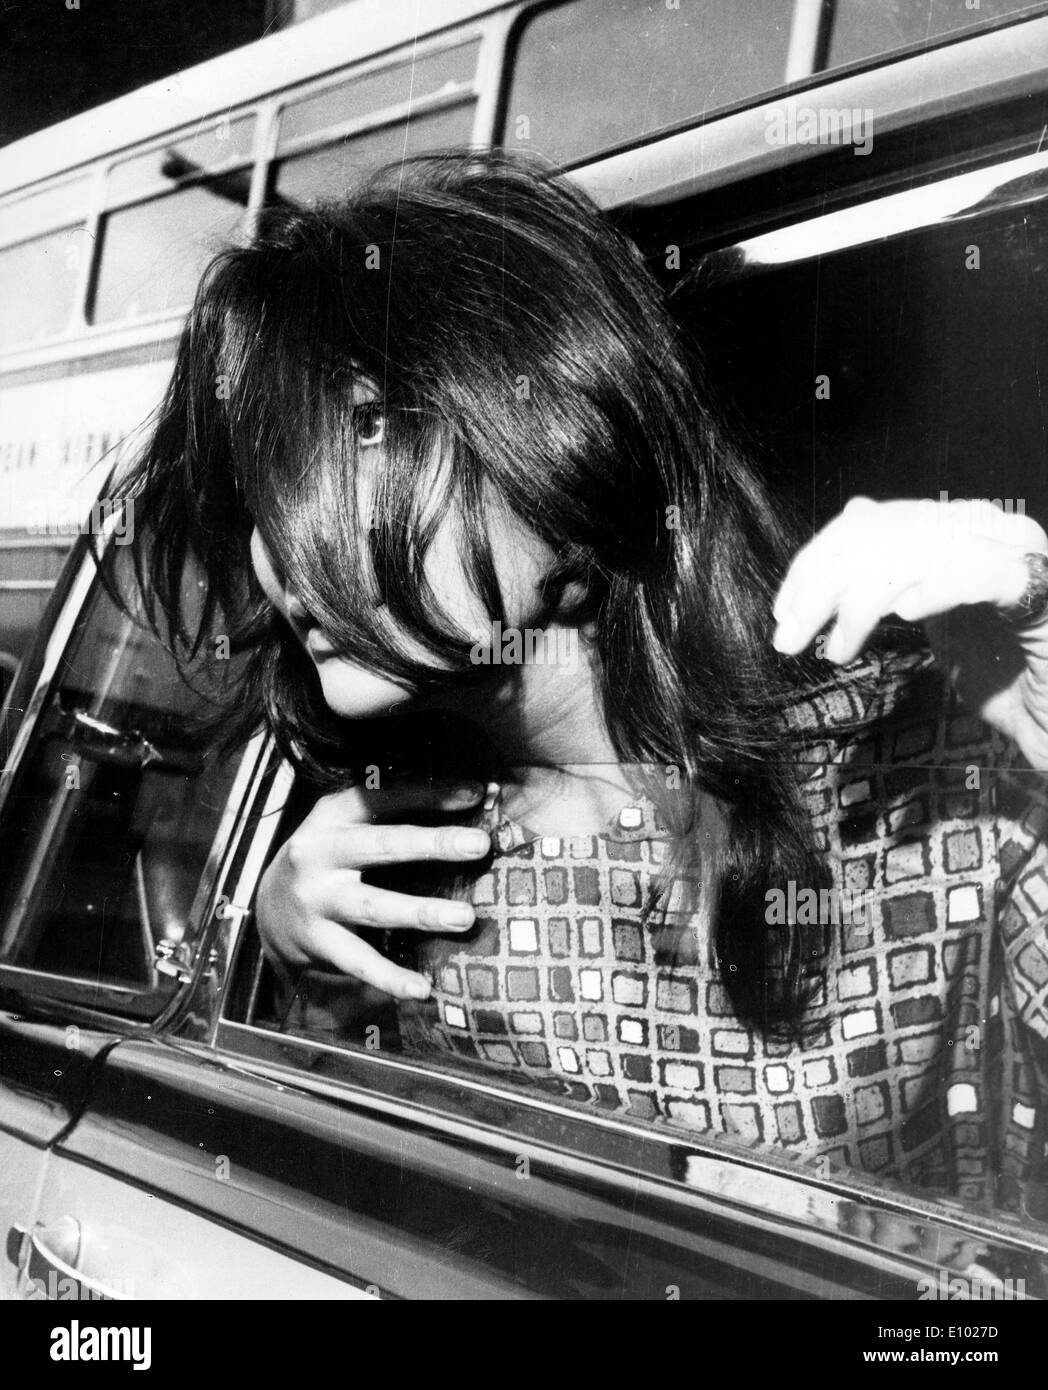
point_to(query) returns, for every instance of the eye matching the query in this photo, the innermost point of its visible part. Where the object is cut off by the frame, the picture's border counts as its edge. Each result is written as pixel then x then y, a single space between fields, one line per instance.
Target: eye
pixel 369 424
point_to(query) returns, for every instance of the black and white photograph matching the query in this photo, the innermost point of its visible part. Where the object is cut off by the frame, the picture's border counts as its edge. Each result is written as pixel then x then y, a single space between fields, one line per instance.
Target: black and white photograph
pixel 524 666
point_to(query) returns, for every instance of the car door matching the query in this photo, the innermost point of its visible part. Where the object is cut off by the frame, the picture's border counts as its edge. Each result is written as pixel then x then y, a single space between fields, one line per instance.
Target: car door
pixel 113 826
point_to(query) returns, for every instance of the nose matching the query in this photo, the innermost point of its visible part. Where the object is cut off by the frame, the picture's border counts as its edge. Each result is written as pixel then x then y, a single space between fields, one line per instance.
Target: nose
pixel 275 588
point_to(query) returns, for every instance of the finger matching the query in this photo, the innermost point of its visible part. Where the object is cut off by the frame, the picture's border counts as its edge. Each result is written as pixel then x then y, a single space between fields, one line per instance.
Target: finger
pixel 975 572
pixel 856 568
pixel 367 846
pixel 817 578
pixel 333 945
pixel 860 611
pixel 345 900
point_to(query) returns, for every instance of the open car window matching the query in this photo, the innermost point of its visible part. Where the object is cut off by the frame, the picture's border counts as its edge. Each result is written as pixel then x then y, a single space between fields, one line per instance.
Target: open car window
pixel 110 816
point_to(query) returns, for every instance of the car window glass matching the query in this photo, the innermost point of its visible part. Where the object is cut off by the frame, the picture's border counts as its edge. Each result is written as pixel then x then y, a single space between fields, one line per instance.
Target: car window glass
pixel 110 815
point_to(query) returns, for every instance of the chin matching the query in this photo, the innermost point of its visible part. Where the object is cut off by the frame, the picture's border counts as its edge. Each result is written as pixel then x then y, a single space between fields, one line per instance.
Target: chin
pixel 353 693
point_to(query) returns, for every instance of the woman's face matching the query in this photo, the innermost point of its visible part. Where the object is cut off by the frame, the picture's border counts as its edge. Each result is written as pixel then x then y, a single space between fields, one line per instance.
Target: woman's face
pixel 352 691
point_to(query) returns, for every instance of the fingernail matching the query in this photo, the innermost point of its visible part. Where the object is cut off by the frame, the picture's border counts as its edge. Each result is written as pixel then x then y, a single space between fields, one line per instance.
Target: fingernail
pixel 471 842
pixel 788 636
pixel 467 794
pixel 456 915
pixel 418 989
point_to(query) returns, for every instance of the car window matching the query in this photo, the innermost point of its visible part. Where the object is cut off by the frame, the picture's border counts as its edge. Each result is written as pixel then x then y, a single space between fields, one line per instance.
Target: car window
pixel 330 138
pixel 216 143
pixel 907 359
pixel 110 816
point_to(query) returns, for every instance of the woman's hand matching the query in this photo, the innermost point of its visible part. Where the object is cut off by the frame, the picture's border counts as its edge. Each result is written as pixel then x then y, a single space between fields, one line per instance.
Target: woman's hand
pixel 921 560
pixel 311 898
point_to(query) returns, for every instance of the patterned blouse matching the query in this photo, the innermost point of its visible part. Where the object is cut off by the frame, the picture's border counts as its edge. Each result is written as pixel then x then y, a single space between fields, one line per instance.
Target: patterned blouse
pixel 928 1062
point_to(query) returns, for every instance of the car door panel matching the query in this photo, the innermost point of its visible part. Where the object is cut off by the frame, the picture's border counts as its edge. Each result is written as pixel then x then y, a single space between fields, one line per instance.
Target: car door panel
pixel 44 1075
pixel 131 1243
pixel 414 1209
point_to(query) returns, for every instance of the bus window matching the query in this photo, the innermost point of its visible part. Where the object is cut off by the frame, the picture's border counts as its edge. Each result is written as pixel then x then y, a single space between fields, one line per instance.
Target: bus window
pixel 41 246
pixel 449 71
pixel 594 73
pixel 332 169
pixel 38 281
pixel 861 30
pixel 154 252
pixel 28 216
pixel 219 141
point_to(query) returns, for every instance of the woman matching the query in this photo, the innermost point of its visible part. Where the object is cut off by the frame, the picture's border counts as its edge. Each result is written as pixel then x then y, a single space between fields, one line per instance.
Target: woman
pixel 713 879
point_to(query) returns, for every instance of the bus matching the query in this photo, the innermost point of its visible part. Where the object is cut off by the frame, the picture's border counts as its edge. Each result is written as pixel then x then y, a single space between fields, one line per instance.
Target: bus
pixel 108 219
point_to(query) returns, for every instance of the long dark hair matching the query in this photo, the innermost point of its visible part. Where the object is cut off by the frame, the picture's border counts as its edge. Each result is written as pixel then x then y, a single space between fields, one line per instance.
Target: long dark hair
pixel 508 325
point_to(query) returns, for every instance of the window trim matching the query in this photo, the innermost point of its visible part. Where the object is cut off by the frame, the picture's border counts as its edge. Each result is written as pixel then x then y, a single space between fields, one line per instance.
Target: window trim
pixel 921 208
pixel 846 1210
